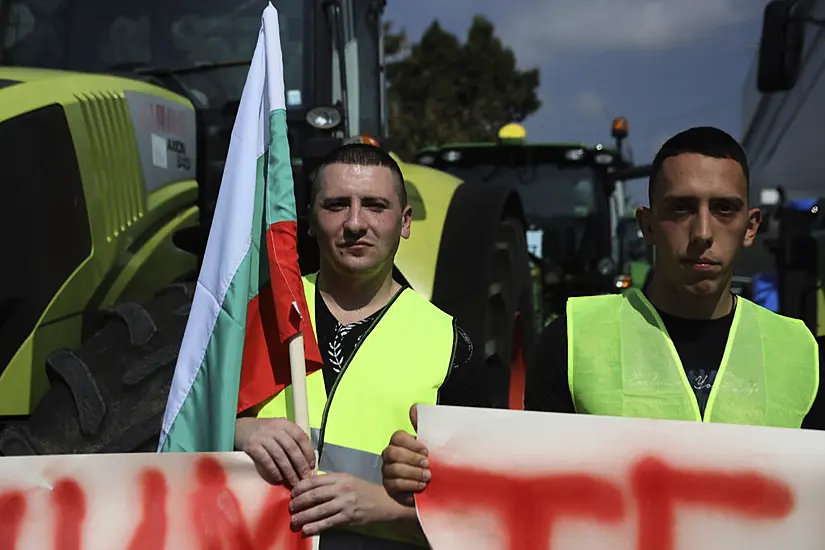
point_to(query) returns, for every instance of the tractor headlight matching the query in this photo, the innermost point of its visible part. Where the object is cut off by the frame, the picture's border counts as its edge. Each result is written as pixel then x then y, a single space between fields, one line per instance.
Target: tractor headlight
pixel 574 154
pixel 604 158
pixel 324 118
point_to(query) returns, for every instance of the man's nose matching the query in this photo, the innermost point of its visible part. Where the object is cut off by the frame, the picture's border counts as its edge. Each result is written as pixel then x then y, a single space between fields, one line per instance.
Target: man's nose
pixel 355 219
pixel 702 226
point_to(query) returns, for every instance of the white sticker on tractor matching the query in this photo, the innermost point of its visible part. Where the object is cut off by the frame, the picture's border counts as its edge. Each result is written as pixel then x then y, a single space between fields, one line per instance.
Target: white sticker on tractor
pixel 159 153
pixel 534 241
pixel 293 98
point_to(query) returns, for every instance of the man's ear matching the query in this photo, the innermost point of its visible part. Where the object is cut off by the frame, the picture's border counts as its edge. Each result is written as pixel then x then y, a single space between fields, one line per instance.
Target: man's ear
pixel 645 219
pixel 754 221
pixel 406 221
pixel 311 219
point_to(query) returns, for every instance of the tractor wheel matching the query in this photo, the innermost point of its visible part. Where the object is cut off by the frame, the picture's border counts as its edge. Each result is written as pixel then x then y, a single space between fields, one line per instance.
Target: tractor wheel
pixel 483 280
pixel 508 327
pixel 109 395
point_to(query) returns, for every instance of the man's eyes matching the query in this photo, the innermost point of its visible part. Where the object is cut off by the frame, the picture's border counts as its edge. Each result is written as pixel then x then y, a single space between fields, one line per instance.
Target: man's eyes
pixel 724 208
pixel 682 208
pixel 374 206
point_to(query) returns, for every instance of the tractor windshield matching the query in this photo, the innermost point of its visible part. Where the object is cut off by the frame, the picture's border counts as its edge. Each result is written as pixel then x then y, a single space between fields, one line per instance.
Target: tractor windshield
pixel 547 190
pixel 562 191
pixel 112 35
pixel 550 184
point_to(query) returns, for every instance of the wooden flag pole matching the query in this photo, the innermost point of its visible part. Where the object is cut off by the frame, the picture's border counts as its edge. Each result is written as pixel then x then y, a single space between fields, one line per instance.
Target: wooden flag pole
pixel 300 401
pixel 298 370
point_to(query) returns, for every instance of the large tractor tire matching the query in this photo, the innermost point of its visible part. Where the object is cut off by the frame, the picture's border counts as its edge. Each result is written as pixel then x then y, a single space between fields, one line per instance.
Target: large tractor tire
pixel 109 395
pixel 483 280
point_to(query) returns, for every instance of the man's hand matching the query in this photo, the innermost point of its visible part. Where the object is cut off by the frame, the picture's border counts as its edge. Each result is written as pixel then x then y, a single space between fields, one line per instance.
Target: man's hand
pixel 405 465
pixel 282 452
pixel 324 501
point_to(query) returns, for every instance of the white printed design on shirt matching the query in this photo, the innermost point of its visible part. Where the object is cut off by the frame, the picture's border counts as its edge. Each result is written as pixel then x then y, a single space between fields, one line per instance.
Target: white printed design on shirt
pixel 334 351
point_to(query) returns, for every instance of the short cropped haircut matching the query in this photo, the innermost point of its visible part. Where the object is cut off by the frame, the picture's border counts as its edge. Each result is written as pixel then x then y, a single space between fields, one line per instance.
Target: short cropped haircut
pixel 359 154
pixel 702 140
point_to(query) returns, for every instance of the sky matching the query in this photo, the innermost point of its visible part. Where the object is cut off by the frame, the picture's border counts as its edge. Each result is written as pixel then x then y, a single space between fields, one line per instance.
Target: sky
pixel 666 65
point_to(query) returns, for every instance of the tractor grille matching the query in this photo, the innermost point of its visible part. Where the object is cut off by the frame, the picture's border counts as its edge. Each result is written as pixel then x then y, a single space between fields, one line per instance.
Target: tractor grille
pixel 115 169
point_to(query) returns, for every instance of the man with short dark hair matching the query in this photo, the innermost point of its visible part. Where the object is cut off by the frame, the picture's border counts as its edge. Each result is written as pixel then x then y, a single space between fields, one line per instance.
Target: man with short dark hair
pixel 384 346
pixel 685 348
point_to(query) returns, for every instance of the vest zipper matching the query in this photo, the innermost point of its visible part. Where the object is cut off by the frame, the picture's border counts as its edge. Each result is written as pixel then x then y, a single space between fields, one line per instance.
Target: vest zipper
pixel 344 369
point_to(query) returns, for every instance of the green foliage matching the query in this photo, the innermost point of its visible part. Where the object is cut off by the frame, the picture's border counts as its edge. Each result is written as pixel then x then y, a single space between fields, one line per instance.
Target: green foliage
pixel 442 90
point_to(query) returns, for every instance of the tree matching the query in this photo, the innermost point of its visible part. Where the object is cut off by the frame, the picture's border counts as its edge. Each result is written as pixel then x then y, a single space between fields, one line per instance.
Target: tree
pixel 441 90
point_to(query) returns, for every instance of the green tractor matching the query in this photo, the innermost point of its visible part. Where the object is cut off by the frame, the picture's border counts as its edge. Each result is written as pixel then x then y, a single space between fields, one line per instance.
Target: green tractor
pixel 574 201
pixel 115 121
pixel 636 256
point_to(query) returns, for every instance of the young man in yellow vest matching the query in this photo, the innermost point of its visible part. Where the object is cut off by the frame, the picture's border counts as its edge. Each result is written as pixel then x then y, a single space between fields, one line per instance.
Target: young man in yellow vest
pixel 370 331
pixel 686 348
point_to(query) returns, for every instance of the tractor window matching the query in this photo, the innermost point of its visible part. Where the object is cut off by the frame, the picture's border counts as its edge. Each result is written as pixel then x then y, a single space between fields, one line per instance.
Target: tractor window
pixel 565 199
pixel 43 222
pixel 367 27
pixel 547 190
pixel 100 36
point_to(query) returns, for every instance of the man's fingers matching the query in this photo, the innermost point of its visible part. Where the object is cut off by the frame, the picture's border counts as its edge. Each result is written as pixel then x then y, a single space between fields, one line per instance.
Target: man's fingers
pixel 399 472
pixel 414 416
pixel 266 465
pixel 319 519
pixel 402 488
pixel 295 454
pixel 285 465
pixel 400 479
pixel 304 443
pixel 312 499
pixel 401 454
pixel 313 482
pixel 403 440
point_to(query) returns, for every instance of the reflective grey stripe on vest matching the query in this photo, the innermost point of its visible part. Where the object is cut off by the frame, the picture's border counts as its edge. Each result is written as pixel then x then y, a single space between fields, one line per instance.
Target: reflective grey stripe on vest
pixel 351 461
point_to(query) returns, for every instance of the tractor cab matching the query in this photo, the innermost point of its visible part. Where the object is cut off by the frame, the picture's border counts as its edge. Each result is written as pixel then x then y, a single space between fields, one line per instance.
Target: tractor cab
pixel 201 49
pixel 130 172
pixel 572 204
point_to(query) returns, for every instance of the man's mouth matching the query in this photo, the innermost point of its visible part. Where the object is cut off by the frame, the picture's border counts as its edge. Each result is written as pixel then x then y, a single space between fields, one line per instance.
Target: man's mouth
pixel 357 244
pixel 702 264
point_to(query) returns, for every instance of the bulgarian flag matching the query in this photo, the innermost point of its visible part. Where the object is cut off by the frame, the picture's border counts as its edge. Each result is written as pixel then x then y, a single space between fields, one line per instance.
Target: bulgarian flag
pixel 249 333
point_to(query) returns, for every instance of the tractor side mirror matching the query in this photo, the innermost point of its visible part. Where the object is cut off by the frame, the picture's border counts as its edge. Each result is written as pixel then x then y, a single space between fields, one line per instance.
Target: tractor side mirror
pixel 781 45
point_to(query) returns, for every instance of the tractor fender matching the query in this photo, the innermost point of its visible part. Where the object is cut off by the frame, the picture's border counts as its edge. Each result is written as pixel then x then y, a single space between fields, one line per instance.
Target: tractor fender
pixel 468 232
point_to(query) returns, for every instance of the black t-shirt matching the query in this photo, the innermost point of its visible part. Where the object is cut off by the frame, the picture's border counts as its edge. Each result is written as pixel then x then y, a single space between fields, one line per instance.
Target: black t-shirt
pixel 699 343
pixel 463 387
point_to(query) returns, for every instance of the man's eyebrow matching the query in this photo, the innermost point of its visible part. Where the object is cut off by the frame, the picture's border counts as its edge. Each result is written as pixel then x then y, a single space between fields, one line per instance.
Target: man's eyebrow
pixel 347 198
pixel 375 198
pixel 732 199
pixel 692 198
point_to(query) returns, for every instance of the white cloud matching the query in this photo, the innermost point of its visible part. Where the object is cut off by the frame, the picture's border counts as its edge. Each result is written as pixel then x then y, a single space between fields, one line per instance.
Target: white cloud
pixel 538 29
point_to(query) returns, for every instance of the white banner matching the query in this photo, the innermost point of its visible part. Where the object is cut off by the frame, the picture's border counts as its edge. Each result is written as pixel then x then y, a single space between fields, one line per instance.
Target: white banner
pixel 510 480
pixel 146 501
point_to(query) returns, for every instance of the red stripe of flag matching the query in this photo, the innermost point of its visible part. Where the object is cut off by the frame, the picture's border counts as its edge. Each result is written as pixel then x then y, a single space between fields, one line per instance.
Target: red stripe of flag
pixel 272 320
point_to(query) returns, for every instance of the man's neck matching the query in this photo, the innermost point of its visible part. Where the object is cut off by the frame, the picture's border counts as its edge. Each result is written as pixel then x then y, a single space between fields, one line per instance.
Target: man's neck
pixel 680 303
pixel 352 297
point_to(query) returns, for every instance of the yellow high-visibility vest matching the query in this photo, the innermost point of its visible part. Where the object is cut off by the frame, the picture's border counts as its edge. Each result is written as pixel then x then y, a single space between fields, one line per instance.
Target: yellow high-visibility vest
pixel 403 359
pixel 621 362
